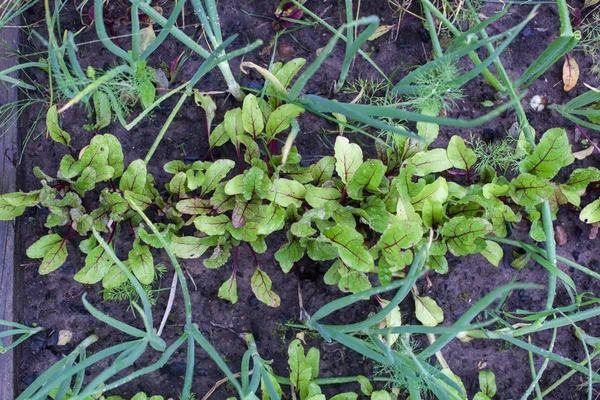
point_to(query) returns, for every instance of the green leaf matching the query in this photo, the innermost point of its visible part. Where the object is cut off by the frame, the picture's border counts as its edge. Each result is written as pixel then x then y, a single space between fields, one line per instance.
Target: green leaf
pixel 432 161
pixel 52 249
pixel 461 234
pixel 348 157
pixel 391 320
pixel 177 184
pixel 459 155
pixel 492 252
pixel 281 118
pixel 134 178
pixel 208 105
pixel 350 247
pixel 591 213
pixel 551 154
pixel 212 226
pixel 194 179
pixel 427 311
pixel 301 367
pixel 492 190
pixel 271 219
pixel 188 246
pixel 228 290
pixel 381 395
pixel 14 204
pixel 113 278
pixel 436 191
pixel 288 71
pixel 235 185
pixel 255 183
pixel 96 154
pixel 243 212
pixel 345 396
pixel 221 201
pixel 367 177
pixel 365 385
pixel 530 190
pixel 252 117
pixel 219 256
pixel 102 109
pixel 147 93
pixel 139 200
pixel 56 133
pixel 215 174
pixel 287 192
pixel 141 263
pixel 319 250
pixel 427 130
pixel 322 171
pixel 352 281
pixel 218 137
pixel 288 254
pixel 432 213
pixel 261 286
pixel 396 238
pixel 234 126
pixel 487 383
pixel 175 166
pixel 582 177
pixel 69 167
pixel 87 181
pixel 115 155
pixel 438 264
pixel 317 197
pixel 97 264
pixel 373 211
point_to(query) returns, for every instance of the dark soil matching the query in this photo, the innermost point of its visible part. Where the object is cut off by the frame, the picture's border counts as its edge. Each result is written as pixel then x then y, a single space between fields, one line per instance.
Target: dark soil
pixel 54 301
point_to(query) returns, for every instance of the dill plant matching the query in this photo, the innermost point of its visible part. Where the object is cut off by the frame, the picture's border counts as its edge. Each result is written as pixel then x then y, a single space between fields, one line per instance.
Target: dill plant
pixel 435 90
pixel 499 155
pixel 379 93
pixel 590 40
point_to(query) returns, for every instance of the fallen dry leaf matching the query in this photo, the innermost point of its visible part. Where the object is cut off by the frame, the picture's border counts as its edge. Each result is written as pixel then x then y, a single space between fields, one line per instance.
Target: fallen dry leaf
pixel 147 35
pixel 570 73
pixel 580 155
pixel 64 337
pixel 380 31
pixel 560 236
pixel 285 50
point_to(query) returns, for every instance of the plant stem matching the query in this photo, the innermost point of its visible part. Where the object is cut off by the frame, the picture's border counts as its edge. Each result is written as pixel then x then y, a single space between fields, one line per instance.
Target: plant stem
pixel 568 374
pixel 435 41
pixel 550 251
pixel 165 127
pixel 535 383
pixel 472 55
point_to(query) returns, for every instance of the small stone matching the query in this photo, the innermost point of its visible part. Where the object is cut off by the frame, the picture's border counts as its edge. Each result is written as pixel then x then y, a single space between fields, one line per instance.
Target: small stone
pixel 538 103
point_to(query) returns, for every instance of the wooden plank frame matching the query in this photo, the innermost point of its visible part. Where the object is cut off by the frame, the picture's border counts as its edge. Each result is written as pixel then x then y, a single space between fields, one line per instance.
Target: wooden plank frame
pixel 9 154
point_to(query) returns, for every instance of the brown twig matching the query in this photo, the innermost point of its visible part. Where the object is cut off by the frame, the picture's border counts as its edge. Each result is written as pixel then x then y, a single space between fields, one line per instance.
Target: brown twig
pixel 222 381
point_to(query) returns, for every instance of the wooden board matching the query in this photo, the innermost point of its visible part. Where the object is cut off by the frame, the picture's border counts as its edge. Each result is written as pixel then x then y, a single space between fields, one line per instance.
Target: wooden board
pixel 8 179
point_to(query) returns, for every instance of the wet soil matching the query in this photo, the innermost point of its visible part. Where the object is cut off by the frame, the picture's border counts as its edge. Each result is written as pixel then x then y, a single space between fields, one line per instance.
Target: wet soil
pixel 54 301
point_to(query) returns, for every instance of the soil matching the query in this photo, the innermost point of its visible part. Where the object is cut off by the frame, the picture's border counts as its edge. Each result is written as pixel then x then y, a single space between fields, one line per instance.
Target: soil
pixel 54 301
